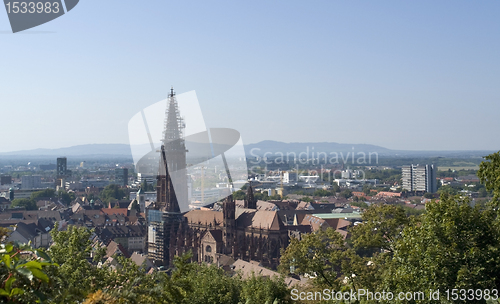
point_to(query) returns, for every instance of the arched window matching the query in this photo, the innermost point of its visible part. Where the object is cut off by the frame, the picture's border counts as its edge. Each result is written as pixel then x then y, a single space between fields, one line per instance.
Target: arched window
pixel 208 249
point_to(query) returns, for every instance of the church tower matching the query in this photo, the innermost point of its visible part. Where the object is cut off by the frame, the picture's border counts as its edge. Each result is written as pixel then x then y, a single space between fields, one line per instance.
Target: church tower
pixel 229 224
pixel 166 198
pixel 250 201
pixel 171 189
pixel 172 176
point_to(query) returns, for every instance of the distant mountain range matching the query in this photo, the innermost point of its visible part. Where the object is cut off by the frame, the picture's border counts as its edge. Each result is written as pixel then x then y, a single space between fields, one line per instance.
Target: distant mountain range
pixel 275 147
pixel 80 150
pixel 257 149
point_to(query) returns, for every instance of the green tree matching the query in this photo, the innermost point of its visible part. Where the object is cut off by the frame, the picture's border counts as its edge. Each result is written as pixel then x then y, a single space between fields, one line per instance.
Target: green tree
pixel 367 189
pixel 412 211
pixel 322 192
pixel 24 276
pixel 275 197
pixel 77 277
pixel 67 197
pixel 346 193
pixel 452 245
pixel 257 290
pixel 209 284
pixel 27 203
pixel 382 226
pixel 239 195
pixel 262 196
pixel 489 175
pixel 131 284
pixel 428 195
pixel 112 192
pixel 306 199
pixel 318 255
pixel 449 190
pixel 46 193
pixel 360 204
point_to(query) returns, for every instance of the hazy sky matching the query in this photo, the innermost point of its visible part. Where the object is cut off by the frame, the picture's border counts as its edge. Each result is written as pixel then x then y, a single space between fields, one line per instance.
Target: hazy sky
pixel 417 75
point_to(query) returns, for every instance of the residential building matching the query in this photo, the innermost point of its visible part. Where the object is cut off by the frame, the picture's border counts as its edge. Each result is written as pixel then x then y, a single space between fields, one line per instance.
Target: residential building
pixel 38 233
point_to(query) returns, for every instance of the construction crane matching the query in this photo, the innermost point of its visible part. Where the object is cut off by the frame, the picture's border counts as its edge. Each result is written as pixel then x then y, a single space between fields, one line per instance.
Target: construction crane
pixel 202 186
pixel 281 184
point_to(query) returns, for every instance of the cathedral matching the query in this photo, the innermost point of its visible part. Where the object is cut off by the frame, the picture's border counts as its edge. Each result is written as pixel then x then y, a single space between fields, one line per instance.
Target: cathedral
pixel 240 233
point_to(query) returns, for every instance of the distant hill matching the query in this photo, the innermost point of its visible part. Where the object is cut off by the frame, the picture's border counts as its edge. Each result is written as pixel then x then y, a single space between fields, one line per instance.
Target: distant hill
pixel 327 147
pixel 80 150
pixel 272 147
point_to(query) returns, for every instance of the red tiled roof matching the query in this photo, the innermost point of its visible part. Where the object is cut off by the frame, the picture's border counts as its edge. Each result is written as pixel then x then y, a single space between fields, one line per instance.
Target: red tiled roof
pixel 108 211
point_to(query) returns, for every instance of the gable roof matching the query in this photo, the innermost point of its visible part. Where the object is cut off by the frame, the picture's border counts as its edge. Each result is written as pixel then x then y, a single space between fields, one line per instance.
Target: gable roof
pixel 204 217
pixel 259 219
pixel 140 259
pixel 45 225
pixel 110 211
pixel 75 207
pixel 115 248
pixel 249 268
pixel 339 224
pixel 47 214
pixel 28 231
pixel 216 235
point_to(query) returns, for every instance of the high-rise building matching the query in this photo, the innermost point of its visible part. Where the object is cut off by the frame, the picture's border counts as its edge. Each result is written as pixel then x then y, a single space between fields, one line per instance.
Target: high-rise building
pixel 62 167
pixel 121 176
pixel 5 180
pixel 420 178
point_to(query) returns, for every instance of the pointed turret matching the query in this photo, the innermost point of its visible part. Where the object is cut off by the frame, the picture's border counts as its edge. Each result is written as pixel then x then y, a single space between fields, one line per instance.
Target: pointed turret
pixel 229 208
pixel 250 201
pixel 229 224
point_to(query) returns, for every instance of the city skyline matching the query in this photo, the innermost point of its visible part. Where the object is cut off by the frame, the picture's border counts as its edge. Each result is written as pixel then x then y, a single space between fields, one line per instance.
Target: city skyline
pixel 404 76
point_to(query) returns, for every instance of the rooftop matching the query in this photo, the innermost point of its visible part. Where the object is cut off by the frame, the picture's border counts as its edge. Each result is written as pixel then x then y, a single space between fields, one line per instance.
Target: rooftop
pixel 325 216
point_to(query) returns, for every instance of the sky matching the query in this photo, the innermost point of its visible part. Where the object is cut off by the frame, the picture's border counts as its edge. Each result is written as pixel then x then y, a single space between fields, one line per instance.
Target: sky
pixel 406 75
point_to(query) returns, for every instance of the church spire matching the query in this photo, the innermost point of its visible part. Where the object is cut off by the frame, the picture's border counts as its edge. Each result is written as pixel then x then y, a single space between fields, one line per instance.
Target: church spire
pixel 172 179
pixel 173 123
